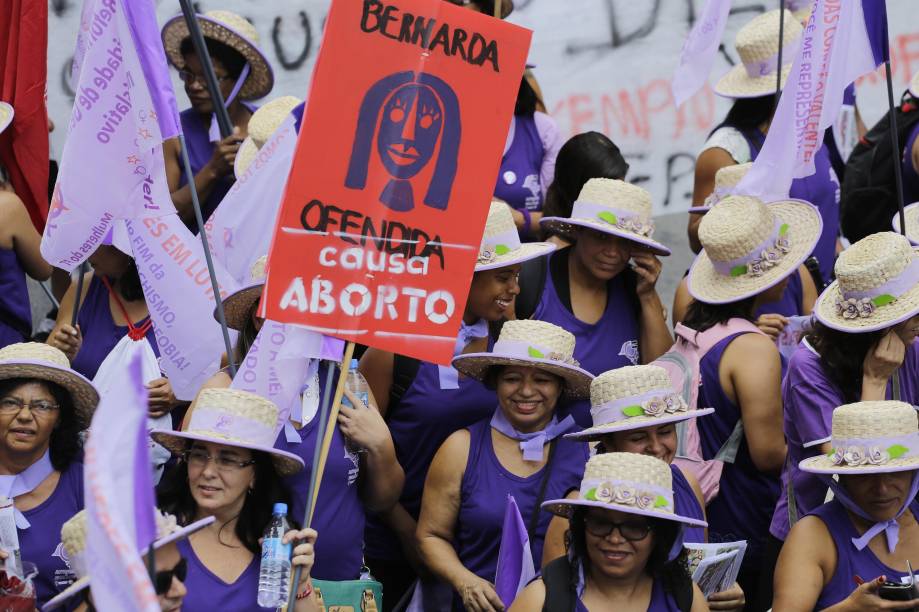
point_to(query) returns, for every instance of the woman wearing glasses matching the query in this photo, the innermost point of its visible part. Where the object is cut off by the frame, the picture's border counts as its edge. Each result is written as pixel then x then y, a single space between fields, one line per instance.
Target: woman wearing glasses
pixel 243 73
pixel 228 469
pixel 44 405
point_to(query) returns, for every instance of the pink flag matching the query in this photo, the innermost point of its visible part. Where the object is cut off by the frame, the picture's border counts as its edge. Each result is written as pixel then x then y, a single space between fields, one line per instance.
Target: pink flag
pixel 174 276
pixel 241 228
pixel 112 165
pixel 843 40
pixel 119 498
pixel 699 50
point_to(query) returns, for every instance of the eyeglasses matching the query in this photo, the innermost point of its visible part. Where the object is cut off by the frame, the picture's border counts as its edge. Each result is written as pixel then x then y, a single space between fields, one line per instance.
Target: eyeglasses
pixel 632 531
pixel 189 78
pixel 14 405
pixel 163 580
pixel 199 459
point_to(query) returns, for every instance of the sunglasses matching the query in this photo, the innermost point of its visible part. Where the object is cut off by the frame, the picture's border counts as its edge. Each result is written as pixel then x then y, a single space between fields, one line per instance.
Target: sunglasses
pixel 163 580
pixel 633 531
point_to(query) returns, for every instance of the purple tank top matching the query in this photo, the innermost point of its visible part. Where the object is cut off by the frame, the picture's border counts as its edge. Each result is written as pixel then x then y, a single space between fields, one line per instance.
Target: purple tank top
pixel 485 486
pixel 518 180
pixel 15 312
pixel 820 189
pixel 850 561
pixel 910 176
pixel 424 418
pixel 746 500
pixel 41 543
pixel 339 510
pixel 100 334
pixel 200 149
pixel 206 591
pixel 686 504
pixel 809 398
pixel 661 601
pixel 610 343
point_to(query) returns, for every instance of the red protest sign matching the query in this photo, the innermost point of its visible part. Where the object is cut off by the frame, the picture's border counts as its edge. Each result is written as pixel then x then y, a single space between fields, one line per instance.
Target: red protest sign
pixel 396 161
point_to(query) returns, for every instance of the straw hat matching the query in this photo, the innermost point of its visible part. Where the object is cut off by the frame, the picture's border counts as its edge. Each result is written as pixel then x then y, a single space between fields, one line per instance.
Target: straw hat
pixel 911 213
pixel 726 179
pixel 626 482
pixel 533 343
pixel 234 418
pixel 634 397
pixel 749 246
pixel 876 286
pixel 262 124
pixel 6 115
pixel 870 438
pixel 613 207
pixel 45 362
pixel 501 244
pixel 73 539
pixel 757 45
pixel 238 305
pixel 232 30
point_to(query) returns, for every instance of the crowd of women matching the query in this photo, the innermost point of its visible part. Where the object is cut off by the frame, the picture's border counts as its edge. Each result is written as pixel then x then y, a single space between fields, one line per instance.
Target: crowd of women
pixel 557 394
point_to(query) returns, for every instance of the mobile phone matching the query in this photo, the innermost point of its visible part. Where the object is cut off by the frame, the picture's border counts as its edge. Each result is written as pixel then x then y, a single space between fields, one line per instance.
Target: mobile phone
pixel 897 591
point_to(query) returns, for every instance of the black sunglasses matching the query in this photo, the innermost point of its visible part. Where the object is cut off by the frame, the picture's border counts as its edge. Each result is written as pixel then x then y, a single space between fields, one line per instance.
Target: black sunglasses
pixel 163 580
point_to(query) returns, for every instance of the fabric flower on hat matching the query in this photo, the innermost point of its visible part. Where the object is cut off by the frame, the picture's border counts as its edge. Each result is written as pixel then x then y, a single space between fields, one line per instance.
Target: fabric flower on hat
pixel 624 495
pixel 655 406
pixel 675 403
pixel 865 307
pixel 486 256
pixel 847 308
pixel 644 501
pixel 855 456
pixel 604 492
pixel 783 244
pixel 838 455
pixel 876 456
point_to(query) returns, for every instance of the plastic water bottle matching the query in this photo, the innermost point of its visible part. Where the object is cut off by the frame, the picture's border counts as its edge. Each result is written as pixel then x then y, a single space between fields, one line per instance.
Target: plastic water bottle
pixel 274 571
pixel 357 385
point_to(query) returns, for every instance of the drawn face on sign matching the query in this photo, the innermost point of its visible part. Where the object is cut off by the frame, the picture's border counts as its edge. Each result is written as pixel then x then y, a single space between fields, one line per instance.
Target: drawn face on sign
pixel 409 130
pixel 414 119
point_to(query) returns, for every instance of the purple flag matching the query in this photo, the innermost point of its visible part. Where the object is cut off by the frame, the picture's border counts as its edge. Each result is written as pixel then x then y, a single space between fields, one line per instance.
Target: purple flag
pixel 843 40
pixel 277 364
pixel 699 50
pixel 239 232
pixel 174 276
pixel 112 165
pixel 119 498
pixel 515 560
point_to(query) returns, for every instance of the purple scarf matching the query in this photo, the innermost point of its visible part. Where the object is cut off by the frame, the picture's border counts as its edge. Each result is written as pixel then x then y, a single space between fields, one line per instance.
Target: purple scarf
pixel 14 485
pixel 891 528
pixel 532 443
pixel 449 377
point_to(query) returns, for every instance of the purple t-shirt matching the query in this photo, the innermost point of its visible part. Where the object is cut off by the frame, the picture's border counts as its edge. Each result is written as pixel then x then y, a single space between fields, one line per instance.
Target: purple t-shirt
pixel 685 503
pixel 810 397
pixel 206 591
pixel 485 487
pixel 425 417
pixel 15 313
pixel 849 561
pixel 100 333
pixel 41 543
pixel 610 343
pixel 528 164
pixel 910 176
pixel 339 511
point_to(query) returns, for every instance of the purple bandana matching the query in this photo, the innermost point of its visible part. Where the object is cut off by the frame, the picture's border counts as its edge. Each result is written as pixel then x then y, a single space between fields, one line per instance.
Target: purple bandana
pixel 532 443
pixel 449 377
pixel 890 528
pixel 14 485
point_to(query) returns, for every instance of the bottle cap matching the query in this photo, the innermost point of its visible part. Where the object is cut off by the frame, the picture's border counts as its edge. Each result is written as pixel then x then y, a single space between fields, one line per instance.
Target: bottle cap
pixel 280 508
pixel 354 364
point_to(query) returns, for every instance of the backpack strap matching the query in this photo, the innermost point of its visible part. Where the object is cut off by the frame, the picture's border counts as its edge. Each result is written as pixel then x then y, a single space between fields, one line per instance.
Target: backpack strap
pixel 704 341
pixel 532 281
pixel 556 575
pixel 404 370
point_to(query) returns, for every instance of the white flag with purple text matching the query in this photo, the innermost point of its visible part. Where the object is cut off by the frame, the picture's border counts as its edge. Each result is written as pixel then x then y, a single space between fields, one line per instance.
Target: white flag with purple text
pixel 174 276
pixel 843 40
pixel 112 165
pixel 699 50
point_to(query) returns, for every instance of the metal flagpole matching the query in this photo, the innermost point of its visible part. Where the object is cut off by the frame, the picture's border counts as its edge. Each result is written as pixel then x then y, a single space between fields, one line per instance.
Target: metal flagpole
pixel 778 77
pixel 197 40
pixel 190 177
pixel 895 144
pixel 79 294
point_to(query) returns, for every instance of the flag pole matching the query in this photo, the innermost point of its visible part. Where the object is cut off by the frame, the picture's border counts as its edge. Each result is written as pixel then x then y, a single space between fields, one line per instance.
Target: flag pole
pixel 190 177
pixel 895 144
pixel 79 294
pixel 327 420
pixel 778 77
pixel 213 88
pixel 499 4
